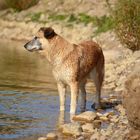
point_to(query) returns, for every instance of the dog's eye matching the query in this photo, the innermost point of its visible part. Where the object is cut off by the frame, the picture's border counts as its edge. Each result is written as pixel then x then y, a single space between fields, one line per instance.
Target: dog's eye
pixel 35 37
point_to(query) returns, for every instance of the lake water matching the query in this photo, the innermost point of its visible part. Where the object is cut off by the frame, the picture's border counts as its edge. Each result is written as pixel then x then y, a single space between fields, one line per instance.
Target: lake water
pixel 29 102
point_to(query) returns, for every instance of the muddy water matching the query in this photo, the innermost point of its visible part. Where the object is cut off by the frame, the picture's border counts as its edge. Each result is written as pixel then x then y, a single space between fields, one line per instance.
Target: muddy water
pixel 29 103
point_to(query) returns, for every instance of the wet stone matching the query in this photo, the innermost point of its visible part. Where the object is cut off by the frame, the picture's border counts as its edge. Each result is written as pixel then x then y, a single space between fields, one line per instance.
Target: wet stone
pixel 42 138
pixel 87 116
pixel 104 118
pixel 52 136
pixel 74 129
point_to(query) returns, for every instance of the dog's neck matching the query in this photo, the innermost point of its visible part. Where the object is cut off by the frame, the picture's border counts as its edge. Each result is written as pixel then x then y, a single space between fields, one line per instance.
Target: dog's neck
pixel 58 49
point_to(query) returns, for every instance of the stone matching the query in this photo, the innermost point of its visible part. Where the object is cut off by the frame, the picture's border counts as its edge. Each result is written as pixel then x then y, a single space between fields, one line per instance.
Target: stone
pixel 131 98
pixel 88 127
pixel 74 129
pixel 99 114
pixel 104 118
pixel 97 123
pixel 52 136
pixel 114 119
pixel 95 136
pixel 107 114
pixel 80 138
pixel 121 109
pixel 87 116
pixel 42 138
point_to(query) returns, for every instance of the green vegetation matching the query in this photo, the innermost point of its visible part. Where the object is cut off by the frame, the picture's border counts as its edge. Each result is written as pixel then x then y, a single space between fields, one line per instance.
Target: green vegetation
pixel 127 20
pixel 103 23
pixel 55 17
pixel 35 16
pixel 19 5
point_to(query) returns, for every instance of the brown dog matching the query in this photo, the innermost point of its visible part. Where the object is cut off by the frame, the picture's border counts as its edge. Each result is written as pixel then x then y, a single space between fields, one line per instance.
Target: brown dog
pixel 72 65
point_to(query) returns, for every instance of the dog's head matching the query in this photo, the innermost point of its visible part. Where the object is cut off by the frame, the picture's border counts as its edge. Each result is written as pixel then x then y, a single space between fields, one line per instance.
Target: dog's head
pixel 40 40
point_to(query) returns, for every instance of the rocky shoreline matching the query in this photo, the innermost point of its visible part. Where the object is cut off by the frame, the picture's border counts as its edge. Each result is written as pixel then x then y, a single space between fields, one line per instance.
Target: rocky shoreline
pixel 95 126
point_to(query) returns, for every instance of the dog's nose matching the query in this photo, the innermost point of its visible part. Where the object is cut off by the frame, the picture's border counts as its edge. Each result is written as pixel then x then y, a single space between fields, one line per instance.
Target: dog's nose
pixel 25 46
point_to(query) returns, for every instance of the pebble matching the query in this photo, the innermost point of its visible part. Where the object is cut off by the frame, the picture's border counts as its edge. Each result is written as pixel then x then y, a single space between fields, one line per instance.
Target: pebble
pixel 51 136
pixel 97 123
pixel 42 138
pixel 88 127
pixel 74 129
pixel 104 118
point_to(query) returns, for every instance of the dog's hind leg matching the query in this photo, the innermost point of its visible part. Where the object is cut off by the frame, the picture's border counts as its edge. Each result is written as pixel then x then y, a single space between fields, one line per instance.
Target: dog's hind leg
pixel 83 96
pixel 98 75
pixel 74 87
pixel 62 94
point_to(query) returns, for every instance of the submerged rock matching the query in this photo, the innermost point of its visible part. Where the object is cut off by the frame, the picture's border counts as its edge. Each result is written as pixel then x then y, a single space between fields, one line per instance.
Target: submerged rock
pixel 42 138
pixel 52 136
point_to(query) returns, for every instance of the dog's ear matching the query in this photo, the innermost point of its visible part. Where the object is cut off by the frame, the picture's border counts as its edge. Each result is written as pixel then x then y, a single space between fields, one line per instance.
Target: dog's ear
pixel 48 32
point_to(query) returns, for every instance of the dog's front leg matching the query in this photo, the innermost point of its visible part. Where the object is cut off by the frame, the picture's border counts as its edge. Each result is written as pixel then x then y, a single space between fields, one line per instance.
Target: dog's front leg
pixel 62 93
pixel 83 97
pixel 74 87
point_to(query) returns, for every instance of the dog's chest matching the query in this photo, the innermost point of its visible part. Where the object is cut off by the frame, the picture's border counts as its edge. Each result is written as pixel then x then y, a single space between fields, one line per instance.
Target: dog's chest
pixel 63 74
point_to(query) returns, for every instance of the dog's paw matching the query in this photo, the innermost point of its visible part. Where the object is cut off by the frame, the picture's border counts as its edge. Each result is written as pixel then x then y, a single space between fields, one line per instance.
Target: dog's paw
pixel 96 106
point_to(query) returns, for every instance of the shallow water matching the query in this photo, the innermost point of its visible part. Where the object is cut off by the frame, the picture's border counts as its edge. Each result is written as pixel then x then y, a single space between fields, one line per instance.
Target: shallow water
pixel 29 102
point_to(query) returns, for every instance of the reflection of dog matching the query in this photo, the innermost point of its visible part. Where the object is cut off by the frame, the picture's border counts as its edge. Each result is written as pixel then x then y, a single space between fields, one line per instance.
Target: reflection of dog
pixel 72 64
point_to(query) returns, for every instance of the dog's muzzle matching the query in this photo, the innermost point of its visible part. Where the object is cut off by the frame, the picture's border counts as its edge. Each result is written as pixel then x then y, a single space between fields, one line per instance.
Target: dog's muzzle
pixel 33 45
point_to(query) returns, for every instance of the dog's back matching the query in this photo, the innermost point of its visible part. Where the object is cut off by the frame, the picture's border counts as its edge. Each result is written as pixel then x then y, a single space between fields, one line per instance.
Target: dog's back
pixel 83 58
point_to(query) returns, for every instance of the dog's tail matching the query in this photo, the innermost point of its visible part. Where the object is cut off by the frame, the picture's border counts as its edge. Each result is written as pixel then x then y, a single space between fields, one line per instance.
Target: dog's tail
pixel 100 67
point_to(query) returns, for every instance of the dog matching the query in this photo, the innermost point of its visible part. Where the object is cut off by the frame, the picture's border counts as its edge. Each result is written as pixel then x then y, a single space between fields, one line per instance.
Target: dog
pixel 71 64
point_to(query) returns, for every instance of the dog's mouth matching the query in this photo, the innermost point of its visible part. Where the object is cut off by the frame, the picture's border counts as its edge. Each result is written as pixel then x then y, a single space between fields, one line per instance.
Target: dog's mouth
pixel 36 50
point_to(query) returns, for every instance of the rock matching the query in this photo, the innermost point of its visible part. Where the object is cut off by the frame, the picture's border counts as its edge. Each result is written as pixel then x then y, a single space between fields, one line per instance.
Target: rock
pixel 52 136
pixel 80 138
pixel 99 114
pixel 88 127
pixel 131 98
pixel 114 119
pixel 97 123
pixel 104 118
pixel 95 136
pixel 133 135
pixel 87 116
pixel 107 114
pixel 42 138
pixel 74 129
pixel 121 109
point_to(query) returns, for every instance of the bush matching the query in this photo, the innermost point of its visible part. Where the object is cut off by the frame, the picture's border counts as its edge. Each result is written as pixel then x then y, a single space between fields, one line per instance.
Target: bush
pixel 21 4
pixel 127 19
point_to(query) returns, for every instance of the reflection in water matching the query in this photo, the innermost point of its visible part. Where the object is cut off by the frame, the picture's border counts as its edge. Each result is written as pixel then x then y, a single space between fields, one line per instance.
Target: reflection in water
pixel 23 114
pixel 23 70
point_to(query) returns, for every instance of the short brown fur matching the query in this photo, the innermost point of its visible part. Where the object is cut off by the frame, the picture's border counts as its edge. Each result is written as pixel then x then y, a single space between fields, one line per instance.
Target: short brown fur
pixel 72 64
